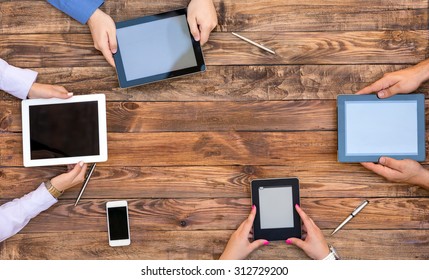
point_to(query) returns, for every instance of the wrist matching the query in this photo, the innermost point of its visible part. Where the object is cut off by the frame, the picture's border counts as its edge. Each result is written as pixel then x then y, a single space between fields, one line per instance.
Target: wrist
pixel 56 193
pixel 422 71
pixel 93 17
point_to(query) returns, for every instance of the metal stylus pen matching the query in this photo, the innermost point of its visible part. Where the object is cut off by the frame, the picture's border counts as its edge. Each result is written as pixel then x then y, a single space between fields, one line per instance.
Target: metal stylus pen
pixel 85 183
pixel 351 216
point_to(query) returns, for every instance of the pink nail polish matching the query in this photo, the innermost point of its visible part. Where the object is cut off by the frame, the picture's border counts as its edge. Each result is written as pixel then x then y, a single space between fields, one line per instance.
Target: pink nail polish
pixel 288 242
pixel 253 207
pixel 296 205
pixel 266 242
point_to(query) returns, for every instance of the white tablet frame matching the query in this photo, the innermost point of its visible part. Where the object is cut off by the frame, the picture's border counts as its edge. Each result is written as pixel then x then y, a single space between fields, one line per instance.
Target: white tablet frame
pixel 102 130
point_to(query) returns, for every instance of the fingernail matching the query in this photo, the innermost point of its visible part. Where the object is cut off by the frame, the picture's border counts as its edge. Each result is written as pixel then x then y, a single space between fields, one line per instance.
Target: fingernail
pixel 81 163
pixel 382 160
pixel 70 93
pixel 296 205
pixel 381 94
pixel 288 242
pixel 114 50
pixel 253 207
pixel 266 242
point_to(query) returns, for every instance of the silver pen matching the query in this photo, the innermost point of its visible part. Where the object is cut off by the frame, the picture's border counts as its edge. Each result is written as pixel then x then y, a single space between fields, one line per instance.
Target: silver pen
pixel 351 216
pixel 85 183
pixel 253 43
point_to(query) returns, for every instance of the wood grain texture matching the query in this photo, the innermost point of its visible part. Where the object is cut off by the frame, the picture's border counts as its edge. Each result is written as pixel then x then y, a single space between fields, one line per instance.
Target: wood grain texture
pixel 234 15
pixel 226 83
pixel 353 47
pixel 227 213
pixel 353 244
pixel 203 116
pixel 206 148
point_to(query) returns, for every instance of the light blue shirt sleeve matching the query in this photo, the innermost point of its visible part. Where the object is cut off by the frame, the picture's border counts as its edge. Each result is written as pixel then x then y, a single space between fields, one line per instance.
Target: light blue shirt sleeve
pixel 80 10
pixel 16 214
pixel 16 81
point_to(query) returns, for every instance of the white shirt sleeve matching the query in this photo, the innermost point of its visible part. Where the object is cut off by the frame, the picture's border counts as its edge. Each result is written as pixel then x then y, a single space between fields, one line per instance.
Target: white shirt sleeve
pixel 16 81
pixel 16 214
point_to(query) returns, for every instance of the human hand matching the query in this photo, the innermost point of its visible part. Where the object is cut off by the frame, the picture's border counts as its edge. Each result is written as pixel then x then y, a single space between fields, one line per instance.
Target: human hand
pixel 314 243
pixel 103 31
pixel 239 246
pixel 402 81
pixel 67 180
pixel 202 19
pixel 48 91
pixel 400 171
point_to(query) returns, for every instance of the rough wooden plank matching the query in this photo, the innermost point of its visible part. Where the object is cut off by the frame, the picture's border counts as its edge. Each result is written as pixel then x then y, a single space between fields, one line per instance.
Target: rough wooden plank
pixel 19 16
pixel 227 213
pixel 316 180
pixel 203 116
pixel 226 83
pixel 206 148
pixel 354 244
pixel 358 47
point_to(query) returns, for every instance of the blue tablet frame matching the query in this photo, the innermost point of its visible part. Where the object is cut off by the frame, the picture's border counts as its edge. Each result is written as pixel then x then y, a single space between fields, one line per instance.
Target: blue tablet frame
pixel 421 137
pixel 124 83
pixel 277 233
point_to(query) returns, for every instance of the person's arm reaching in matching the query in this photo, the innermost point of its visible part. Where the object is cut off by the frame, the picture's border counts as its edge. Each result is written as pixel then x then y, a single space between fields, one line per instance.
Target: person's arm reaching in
pixel 314 243
pixel 239 246
pixel 21 83
pixel 101 25
pixel 400 171
pixel 16 214
pixel 402 81
pixel 202 19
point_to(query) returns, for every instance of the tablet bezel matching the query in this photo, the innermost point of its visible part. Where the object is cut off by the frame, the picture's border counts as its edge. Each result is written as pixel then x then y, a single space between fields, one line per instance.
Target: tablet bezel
pixel 124 83
pixel 278 233
pixel 102 130
pixel 421 144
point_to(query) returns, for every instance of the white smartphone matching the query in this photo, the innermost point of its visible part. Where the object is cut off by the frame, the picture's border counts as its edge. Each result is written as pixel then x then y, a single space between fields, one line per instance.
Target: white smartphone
pixel 118 225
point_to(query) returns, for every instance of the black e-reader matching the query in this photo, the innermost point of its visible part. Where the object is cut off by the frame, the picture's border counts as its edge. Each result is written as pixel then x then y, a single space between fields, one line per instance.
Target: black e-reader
pixel 276 217
pixel 156 47
pixel 370 127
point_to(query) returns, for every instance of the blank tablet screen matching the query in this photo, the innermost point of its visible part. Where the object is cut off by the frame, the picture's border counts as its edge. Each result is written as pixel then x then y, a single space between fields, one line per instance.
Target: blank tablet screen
pixel 156 47
pixel 64 130
pixel 276 207
pixel 374 128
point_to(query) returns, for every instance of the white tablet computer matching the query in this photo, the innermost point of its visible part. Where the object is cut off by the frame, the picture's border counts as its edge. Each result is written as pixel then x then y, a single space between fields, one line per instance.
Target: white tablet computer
pixel 369 127
pixel 64 131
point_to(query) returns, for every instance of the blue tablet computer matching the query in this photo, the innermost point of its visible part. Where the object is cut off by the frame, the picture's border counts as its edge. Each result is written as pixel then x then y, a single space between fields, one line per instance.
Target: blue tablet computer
pixel 156 47
pixel 369 127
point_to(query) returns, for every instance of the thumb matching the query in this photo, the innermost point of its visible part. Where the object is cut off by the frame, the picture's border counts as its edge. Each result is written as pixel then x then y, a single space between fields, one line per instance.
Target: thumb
pixel 257 244
pixel 193 26
pixel 388 92
pixel 297 242
pixel 75 171
pixel 60 92
pixel 113 43
pixel 390 162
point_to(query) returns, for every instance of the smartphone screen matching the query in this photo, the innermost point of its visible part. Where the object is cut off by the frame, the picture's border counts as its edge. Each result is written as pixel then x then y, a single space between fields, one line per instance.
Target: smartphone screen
pixel 118 223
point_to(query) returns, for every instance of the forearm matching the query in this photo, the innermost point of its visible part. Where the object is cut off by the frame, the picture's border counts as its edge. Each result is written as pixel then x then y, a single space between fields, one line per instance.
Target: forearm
pixel 16 214
pixel 422 71
pixel 16 81
pixel 77 9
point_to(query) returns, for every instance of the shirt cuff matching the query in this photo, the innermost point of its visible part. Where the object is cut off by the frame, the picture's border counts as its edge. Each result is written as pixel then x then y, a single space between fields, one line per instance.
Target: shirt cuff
pixel 77 9
pixel 16 81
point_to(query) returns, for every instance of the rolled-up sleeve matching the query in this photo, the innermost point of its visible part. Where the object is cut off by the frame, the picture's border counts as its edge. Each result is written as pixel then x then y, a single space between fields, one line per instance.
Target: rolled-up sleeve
pixel 16 81
pixel 80 10
pixel 16 214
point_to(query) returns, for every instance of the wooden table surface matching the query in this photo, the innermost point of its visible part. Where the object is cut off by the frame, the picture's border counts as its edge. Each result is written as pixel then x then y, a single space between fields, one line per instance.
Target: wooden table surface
pixel 183 152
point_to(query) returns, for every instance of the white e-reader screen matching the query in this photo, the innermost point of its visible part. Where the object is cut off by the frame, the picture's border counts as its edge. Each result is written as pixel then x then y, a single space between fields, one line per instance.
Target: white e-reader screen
pixel 374 128
pixel 276 207
pixel 370 127
pixel 156 47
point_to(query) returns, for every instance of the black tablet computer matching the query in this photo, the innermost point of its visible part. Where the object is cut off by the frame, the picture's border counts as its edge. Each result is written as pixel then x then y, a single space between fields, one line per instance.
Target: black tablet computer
pixel 276 217
pixel 156 47
pixel 369 127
